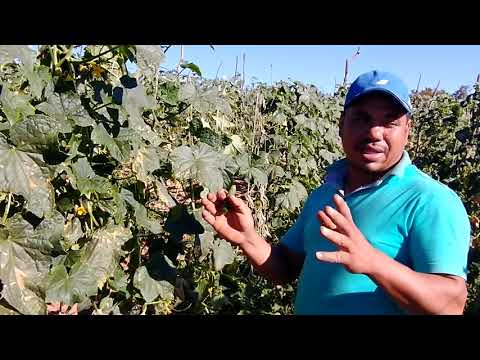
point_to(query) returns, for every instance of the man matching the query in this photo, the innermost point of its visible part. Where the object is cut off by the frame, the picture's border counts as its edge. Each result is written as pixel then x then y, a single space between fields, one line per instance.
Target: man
pixel 379 236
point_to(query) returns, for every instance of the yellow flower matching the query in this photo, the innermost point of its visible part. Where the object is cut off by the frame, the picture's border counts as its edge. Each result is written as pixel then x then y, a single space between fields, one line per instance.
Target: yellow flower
pixel 81 211
pixel 97 70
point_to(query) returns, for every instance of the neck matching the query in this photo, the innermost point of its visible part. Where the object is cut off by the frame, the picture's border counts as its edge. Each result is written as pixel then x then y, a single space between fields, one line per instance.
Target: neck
pixel 357 177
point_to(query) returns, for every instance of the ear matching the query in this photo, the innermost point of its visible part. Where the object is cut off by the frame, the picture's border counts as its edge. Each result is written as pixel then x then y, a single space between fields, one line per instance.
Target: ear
pixel 409 126
pixel 340 125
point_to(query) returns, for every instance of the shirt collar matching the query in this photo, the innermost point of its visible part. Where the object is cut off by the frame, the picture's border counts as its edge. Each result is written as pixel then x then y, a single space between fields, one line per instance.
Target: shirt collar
pixel 337 171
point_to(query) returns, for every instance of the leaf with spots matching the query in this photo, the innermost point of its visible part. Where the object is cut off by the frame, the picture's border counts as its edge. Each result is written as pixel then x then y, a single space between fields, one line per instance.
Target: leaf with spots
pixel 145 160
pixel 20 274
pixel 37 133
pixel 37 78
pixel 97 264
pixel 149 58
pixel 15 105
pixel 199 162
pixel 20 173
pixel 66 107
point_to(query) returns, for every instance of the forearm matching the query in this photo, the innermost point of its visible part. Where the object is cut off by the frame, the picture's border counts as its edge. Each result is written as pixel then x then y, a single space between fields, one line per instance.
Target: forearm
pixel 416 292
pixel 268 260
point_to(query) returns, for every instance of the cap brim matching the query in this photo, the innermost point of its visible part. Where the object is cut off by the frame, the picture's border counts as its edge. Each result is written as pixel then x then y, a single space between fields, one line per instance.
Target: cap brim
pixel 407 107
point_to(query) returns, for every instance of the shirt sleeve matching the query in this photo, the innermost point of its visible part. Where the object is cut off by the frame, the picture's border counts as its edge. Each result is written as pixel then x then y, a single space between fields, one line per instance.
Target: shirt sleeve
pixel 440 235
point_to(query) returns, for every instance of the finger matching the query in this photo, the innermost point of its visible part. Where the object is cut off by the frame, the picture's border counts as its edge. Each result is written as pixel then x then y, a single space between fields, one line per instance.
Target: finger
pixel 222 195
pixel 208 217
pixel 343 224
pixel 212 197
pixel 342 206
pixel 213 208
pixel 238 205
pixel 210 207
pixel 204 201
pixel 325 220
pixel 336 257
pixel 335 237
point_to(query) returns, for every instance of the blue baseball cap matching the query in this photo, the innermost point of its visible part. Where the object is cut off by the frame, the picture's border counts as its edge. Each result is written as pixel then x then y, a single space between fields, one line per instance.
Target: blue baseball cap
pixel 379 81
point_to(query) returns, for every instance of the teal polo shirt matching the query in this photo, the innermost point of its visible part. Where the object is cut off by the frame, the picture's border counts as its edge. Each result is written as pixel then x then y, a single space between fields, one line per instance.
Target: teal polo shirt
pixel 406 214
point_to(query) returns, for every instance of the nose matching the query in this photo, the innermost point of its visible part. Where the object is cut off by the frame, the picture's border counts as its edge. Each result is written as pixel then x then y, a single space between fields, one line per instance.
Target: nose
pixel 375 133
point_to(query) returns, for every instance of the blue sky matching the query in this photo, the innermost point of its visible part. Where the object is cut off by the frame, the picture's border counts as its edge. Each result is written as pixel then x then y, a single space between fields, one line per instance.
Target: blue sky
pixel 323 65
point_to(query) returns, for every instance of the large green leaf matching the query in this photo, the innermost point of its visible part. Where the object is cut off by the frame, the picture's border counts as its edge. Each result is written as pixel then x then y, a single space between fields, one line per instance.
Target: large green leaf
pixel 192 67
pixel 37 78
pixel 223 254
pixel 103 253
pixel 306 165
pixel 87 181
pixel 130 136
pixel 236 146
pixel 72 231
pixel 292 199
pixel 250 171
pixel 20 173
pixel 62 287
pixel 45 237
pixel 145 160
pixel 279 118
pixel 206 243
pixel 66 107
pixel 16 269
pixel 304 122
pixel 119 281
pixel 37 133
pixel 149 55
pixel 135 101
pixel 258 176
pixel 140 212
pixel 276 171
pixel 309 97
pixel 200 162
pixel 107 307
pixel 96 265
pixel 120 150
pixel 151 288
pixel 15 105
pixel 115 206
pixel 328 156
pixel 204 100
pixel 8 53
pixel 20 275
pixel 164 195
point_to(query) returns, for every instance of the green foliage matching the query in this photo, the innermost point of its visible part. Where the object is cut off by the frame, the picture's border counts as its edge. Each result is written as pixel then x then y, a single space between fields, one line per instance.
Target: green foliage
pixel 102 170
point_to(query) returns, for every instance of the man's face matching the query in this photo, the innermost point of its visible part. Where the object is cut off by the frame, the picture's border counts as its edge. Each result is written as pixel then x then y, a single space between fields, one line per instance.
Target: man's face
pixel 374 132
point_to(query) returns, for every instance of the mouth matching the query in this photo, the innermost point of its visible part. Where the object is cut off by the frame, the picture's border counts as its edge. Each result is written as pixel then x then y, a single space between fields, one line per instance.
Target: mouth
pixel 371 153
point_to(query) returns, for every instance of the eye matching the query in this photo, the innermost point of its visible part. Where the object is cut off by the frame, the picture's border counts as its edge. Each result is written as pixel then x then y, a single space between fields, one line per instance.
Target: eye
pixel 360 118
pixel 393 123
